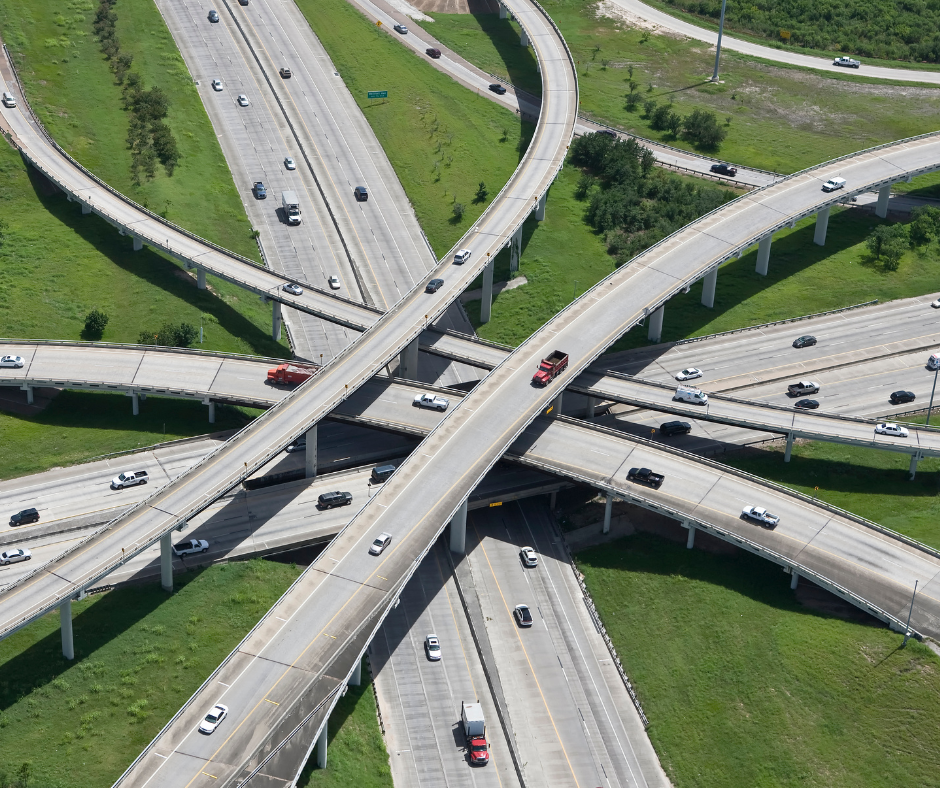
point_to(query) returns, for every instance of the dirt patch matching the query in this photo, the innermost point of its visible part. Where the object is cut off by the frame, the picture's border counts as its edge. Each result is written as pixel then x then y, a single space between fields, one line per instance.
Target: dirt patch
pixel 457 6
pixel 190 278
pixel 614 11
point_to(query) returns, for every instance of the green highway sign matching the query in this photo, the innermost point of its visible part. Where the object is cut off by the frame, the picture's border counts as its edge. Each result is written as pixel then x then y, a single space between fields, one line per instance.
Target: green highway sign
pixel 378 94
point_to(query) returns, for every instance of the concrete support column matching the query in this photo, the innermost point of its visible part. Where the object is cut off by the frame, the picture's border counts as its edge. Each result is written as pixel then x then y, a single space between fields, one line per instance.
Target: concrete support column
pixel 690 542
pixel 86 209
pixel 356 678
pixel 708 289
pixel 201 279
pixel 540 208
pixel 211 412
pixel 786 454
pixel 321 746
pixel 763 254
pixel 135 403
pixel 608 507
pixel 311 453
pixel 138 244
pixel 515 250
pixel 458 530
pixel 557 404
pixel 552 499
pixel 591 405
pixel 523 38
pixel 408 361
pixel 503 12
pixel 276 321
pixel 29 394
pixel 166 561
pixel 794 579
pixel 822 224
pixel 912 470
pixel 65 624
pixel 656 325
pixel 486 305
pixel 884 194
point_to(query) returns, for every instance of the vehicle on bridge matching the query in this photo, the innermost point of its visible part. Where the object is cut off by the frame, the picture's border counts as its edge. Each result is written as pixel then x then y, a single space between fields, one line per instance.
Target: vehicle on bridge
pixel 285 73
pixel 431 401
pixel 805 341
pixel 802 387
pixel 293 289
pixel 645 476
pixel 528 557
pixel 24 517
pixel 217 85
pixel 833 184
pixel 13 556
pixel 216 714
pixel 670 428
pixel 523 615
pixel 932 363
pixel 261 193
pixel 899 397
pixel 213 16
pixel 689 374
pixel 550 368
pixel 330 500
pixel 807 404
pixel 890 428
pixel 474 730
pixel 291 206
pixel 13 362
pixel 695 396
pixel 461 256
pixel 761 515
pixel 382 541
pixel 129 479
pixel 190 547
pixel 434 285
pixel 432 647
pixel 287 374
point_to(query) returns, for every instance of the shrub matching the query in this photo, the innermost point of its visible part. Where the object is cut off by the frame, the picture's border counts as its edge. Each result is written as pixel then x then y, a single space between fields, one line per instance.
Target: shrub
pixel 482 193
pixel 458 210
pixel 888 244
pixel 702 129
pixel 95 323
pixel 925 225
pixel 170 335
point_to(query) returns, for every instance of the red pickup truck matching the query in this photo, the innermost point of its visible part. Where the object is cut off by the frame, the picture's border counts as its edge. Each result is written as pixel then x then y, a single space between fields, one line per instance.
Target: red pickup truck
pixel 554 365
pixel 290 373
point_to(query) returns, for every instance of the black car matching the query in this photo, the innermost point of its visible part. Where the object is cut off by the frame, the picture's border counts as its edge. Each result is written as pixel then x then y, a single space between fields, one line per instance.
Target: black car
pixel 361 193
pixel 260 192
pixel 434 285
pixel 897 397
pixel 25 517
pixel 724 169
pixel 432 52
pixel 285 73
pixel 671 428
pixel 607 133
pixel 243 2
pixel 213 16
pixel 807 341
pixel 807 404
pixel 331 499
pixel 497 88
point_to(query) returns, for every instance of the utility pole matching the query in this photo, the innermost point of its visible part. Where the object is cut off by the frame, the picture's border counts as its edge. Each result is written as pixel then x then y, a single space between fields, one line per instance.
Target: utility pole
pixel 721 29
pixel 907 626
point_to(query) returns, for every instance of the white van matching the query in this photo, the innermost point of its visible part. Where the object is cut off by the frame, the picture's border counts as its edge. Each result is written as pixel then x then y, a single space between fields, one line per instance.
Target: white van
pixel 695 396
pixel 833 184
pixel 8 100
pixel 934 361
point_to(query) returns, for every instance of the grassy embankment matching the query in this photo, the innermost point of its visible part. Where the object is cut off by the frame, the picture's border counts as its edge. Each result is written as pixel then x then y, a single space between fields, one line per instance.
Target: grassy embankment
pixel 745 687
pixel 139 655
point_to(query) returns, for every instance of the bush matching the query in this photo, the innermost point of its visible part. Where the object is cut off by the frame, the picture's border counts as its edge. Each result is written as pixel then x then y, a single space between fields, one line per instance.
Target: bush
pixel 95 323
pixel 925 225
pixel 888 244
pixel 458 210
pixel 482 193
pixel 170 335
pixel 702 129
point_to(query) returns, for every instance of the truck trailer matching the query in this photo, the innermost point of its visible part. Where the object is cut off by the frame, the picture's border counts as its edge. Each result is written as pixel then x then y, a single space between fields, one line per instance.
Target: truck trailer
pixel 291 206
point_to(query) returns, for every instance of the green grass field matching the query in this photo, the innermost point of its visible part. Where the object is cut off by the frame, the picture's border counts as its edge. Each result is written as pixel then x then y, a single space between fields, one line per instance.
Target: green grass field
pixel 744 687
pixel 73 91
pixel 139 654
pixel 77 426
pixel 441 138
pixel 781 119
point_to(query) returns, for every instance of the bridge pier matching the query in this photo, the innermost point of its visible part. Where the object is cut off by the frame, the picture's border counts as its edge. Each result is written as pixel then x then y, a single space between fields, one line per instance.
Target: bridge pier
pixel 690 542
pixel 201 281
pixel 655 332
pixel 786 454
pixel 458 530
pixel 708 288
pixel 211 405
pixel 29 393
pixel 503 12
pixel 523 38
pixel 135 403
pixel 311 453
pixel 276 321
pixel 591 405
pixel 608 507
pixel 166 562
pixel 540 208
pixel 881 209
pixel 321 745
pixel 138 243
pixel 486 305
pixel 408 361
pixel 915 458
pixel 515 250
pixel 557 404
pixel 86 209
pixel 763 254
pixel 65 624
pixel 356 678
pixel 822 224
pixel 794 579
pixel 552 500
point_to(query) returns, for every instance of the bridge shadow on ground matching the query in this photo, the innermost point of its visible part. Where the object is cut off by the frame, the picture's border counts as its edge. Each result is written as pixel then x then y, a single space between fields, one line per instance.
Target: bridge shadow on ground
pixel 520 62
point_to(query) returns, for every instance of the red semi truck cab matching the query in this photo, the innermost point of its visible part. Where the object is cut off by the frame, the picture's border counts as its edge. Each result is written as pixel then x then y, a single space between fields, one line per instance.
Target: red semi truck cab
pixel 290 373
pixel 555 364
pixel 479 752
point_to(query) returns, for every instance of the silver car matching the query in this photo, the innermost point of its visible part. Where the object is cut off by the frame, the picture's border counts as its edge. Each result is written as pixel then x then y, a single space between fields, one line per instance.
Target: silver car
pixel 432 647
pixel 13 556
pixel 215 716
pixel 14 362
pixel 382 541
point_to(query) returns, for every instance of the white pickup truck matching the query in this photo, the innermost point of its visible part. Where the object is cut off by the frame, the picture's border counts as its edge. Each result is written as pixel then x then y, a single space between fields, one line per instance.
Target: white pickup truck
pixel 431 401
pixel 761 515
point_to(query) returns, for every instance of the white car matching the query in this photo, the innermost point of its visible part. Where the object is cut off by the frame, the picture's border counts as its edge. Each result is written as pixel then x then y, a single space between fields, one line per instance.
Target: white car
pixel 217 85
pixel 761 515
pixel 12 361
pixel 890 428
pixel 462 256
pixel 935 304
pixel 191 547
pixel 289 163
pixel 215 716
pixel 689 374
pixel 9 100
pixel 293 289
pixel 242 100
pixel 12 556
pixel 529 557
pixel 431 401
pixel 432 647
pixel 382 541
pixel 334 283
pixel 129 479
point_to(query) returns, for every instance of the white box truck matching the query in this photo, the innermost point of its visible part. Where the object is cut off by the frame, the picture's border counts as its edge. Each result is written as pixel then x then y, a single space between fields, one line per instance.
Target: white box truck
pixel 291 207
pixel 695 396
pixel 934 361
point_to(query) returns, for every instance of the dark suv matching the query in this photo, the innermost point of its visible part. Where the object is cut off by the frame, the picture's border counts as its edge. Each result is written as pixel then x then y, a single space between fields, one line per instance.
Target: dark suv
pixel 898 397
pixel 361 193
pixel 25 517
pixel 724 169
pixel 671 428
pixel 381 473
pixel 331 499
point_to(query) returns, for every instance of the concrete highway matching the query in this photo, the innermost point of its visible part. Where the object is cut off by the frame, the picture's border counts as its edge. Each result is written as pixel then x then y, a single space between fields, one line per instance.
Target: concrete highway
pixel 691 30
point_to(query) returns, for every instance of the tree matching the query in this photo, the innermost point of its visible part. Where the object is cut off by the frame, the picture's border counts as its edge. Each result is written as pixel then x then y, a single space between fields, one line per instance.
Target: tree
pixel 659 117
pixel 170 335
pixel 482 193
pixel 888 244
pixel 674 123
pixel 95 323
pixel 701 127
pixel 458 211
pixel 925 225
